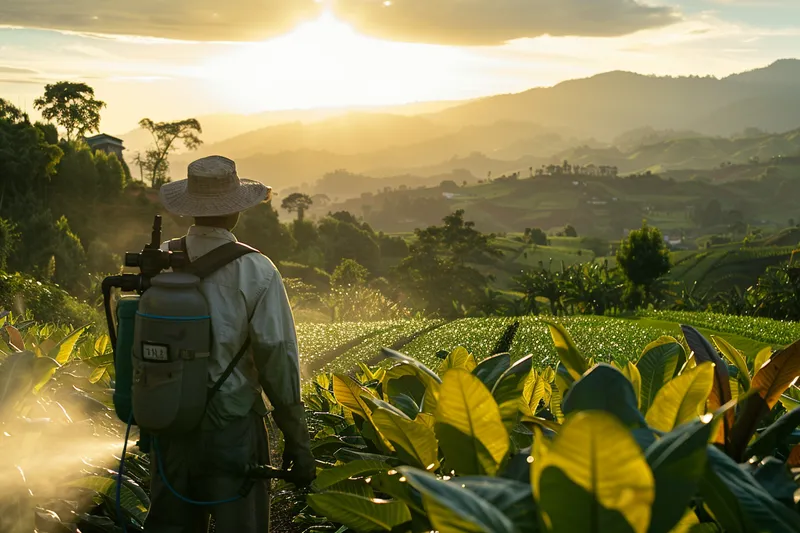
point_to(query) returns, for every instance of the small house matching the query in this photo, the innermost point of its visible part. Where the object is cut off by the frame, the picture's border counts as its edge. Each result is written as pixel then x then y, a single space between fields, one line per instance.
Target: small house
pixel 106 143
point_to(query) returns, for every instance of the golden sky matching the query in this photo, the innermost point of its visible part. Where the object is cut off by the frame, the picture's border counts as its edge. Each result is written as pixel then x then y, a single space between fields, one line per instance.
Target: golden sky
pixel 169 60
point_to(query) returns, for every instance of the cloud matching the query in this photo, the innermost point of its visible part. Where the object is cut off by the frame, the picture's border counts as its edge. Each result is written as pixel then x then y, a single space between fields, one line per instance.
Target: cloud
pixel 455 22
pixel 195 20
pixel 493 22
pixel 14 70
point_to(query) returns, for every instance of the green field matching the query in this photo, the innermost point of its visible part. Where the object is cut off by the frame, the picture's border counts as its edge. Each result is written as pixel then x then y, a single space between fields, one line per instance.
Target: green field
pixel 340 347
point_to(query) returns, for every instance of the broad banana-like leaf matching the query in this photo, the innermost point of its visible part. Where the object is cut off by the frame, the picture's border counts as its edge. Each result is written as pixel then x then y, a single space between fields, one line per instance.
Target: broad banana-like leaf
pixel 453 509
pixel 569 355
pixel 794 457
pixel 62 352
pixel 736 357
pixel 512 498
pixel 427 376
pixel 774 435
pixel 721 391
pixel 458 358
pixel 682 399
pixel 739 503
pixel 331 476
pixel 604 388
pixel 469 427
pixel 761 359
pixel 508 391
pixel 414 440
pixel 556 403
pixel 360 513
pixel 532 394
pixel 657 366
pixel 689 524
pixel 678 461
pixel 631 372
pixel 492 368
pixel 133 500
pixel 43 370
pixel 349 394
pixel 15 340
pixel 593 477
pixel 770 383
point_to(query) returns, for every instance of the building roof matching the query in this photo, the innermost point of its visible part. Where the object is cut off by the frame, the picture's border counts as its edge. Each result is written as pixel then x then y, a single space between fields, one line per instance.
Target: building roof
pixel 103 137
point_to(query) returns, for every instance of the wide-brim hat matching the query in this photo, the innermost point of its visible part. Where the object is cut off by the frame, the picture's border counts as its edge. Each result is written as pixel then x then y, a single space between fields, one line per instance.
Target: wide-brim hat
pixel 212 189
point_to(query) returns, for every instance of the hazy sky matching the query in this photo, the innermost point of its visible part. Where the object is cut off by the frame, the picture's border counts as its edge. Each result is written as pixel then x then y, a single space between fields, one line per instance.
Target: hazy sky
pixel 181 58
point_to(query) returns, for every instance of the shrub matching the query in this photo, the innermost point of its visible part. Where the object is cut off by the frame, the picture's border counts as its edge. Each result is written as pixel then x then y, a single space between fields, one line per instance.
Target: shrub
pixel 46 302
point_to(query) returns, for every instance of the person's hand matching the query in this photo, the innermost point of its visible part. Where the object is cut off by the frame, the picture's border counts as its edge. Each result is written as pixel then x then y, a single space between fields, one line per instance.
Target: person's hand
pixel 297 456
pixel 302 467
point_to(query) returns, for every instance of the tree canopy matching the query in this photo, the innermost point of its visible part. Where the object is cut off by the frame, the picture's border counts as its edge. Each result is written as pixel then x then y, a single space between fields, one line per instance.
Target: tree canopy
pixel 644 256
pixel 166 135
pixel 72 106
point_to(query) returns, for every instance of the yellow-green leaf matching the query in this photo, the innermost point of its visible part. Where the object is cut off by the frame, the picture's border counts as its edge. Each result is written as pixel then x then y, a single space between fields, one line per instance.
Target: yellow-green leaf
pixel 358 512
pixel 414 437
pixel 597 453
pixel 101 345
pixel 735 357
pixel 570 357
pixel 682 399
pixel 632 373
pixel 348 393
pixel 657 366
pixel 62 352
pixel 532 394
pixel 762 358
pixel 468 425
pixel 458 358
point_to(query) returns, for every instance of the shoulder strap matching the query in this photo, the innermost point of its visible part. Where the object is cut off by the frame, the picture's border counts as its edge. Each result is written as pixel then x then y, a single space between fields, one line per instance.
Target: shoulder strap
pixel 206 265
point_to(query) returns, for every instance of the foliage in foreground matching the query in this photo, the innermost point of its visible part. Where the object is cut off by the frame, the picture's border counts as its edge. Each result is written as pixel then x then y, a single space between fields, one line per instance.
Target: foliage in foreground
pixel 666 444
pixel 58 435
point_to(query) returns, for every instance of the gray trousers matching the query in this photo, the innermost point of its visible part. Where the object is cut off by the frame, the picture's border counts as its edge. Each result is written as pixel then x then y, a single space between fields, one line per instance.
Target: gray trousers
pixel 206 466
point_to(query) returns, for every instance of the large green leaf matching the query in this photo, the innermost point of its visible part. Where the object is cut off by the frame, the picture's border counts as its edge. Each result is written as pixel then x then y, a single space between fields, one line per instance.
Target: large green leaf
pixel 567 352
pixel 360 513
pixel 492 368
pixel 739 503
pixel 682 399
pixel 532 393
pixel 453 509
pixel 593 477
pixel 678 461
pixel 508 391
pixel 604 388
pixel 631 371
pixel 351 395
pixel 657 366
pixel 761 359
pixel 775 434
pixel 133 500
pixel 512 498
pixel 62 352
pixel 736 357
pixel 331 476
pixel 769 384
pixel 43 370
pixel 414 441
pixel 469 427
pixel 721 390
pixel 458 358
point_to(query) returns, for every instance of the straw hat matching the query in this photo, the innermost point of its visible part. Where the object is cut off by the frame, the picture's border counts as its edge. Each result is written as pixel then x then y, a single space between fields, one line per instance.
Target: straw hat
pixel 212 189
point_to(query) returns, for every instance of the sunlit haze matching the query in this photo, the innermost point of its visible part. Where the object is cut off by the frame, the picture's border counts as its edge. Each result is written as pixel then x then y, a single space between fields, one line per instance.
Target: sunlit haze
pixel 322 59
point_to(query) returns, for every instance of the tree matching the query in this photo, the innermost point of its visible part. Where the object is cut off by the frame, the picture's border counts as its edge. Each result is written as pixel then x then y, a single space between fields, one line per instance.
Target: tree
pixel 536 236
pixel 72 106
pixel 298 202
pixel 165 137
pixel 644 257
pixel 570 231
pixel 349 274
pixel 437 270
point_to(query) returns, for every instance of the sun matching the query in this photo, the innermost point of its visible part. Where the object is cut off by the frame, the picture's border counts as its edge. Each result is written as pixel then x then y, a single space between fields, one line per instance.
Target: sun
pixel 326 63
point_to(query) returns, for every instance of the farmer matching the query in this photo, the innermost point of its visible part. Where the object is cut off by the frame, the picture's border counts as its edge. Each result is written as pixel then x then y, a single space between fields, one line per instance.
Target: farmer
pixel 250 316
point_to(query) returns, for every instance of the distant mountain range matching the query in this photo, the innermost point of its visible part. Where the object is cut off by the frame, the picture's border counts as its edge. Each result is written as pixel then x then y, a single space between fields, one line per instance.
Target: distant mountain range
pixel 604 119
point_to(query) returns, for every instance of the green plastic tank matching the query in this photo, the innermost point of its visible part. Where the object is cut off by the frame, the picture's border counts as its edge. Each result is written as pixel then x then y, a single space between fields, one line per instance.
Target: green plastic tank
pixel 123 364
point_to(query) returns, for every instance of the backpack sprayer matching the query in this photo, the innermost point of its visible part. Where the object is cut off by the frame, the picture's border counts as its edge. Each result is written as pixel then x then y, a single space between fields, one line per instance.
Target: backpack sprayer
pixel 162 343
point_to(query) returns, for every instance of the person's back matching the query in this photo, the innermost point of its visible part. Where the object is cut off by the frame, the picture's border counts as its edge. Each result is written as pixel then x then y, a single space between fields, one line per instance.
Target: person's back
pixel 254 349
